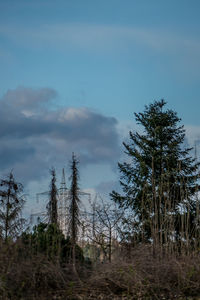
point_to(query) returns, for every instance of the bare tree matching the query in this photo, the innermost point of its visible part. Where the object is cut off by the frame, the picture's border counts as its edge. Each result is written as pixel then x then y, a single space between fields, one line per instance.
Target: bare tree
pixel 104 226
pixel 11 204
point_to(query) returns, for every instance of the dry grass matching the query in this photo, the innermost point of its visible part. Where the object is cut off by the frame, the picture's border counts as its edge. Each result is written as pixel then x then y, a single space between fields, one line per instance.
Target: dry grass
pixel 146 277
pixel 141 276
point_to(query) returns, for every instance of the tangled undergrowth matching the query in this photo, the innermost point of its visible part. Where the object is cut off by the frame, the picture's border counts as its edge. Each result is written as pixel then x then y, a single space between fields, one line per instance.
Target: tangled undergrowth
pixel 140 276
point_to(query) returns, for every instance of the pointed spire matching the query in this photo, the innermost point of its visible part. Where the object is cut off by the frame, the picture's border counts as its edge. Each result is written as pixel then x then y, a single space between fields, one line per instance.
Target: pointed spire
pixel 63 182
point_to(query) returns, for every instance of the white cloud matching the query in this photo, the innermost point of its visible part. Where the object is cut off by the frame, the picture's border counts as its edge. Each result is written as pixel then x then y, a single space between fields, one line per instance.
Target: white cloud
pixel 72 113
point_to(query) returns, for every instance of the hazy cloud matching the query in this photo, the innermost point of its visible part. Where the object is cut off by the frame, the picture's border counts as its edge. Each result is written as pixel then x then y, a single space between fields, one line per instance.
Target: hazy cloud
pixel 106 187
pixel 104 39
pixel 193 138
pixel 100 37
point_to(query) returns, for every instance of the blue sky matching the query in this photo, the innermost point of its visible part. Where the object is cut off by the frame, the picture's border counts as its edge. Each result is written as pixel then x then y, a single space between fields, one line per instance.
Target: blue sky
pixel 74 72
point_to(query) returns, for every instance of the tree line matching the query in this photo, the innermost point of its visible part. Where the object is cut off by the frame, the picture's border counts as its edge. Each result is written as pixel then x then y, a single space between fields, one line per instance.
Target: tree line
pixel 158 204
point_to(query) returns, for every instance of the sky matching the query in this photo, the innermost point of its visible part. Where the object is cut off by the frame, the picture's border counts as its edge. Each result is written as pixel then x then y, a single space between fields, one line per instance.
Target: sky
pixel 74 72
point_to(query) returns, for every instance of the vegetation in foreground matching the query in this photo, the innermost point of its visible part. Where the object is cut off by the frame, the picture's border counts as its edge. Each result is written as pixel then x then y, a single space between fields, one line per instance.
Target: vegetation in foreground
pixel 135 274
pixel 146 246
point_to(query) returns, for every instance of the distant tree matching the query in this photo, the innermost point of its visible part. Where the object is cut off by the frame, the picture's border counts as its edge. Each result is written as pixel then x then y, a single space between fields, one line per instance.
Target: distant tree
pixel 11 204
pixel 52 204
pixel 160 178
pixel 104 226
pixel 74 208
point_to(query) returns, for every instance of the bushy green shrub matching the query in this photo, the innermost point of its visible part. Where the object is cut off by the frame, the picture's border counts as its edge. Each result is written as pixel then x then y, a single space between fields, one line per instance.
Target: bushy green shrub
pixel 51 242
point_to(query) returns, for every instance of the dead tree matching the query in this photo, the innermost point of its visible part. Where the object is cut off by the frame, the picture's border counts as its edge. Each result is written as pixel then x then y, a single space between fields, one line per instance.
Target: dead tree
pixel 104 226
pixel 11 204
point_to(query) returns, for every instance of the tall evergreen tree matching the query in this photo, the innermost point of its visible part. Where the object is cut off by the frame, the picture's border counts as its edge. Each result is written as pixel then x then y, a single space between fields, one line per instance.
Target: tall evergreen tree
pixel 160 178
pixel 52 204
pixel 11 204
pixel 74 207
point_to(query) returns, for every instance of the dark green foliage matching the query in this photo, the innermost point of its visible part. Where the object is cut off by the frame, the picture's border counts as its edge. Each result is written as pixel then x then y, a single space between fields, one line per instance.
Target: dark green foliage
pixel 74 207
pixel 50 241
pixel 74 200
pixel 52 205
pixel 11 204
pixel 160 175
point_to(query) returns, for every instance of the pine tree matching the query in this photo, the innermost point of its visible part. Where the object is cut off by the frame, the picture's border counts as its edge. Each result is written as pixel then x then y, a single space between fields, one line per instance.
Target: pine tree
pixel 160 178
pixel 74 208
pixel 11 204
pixel 52 205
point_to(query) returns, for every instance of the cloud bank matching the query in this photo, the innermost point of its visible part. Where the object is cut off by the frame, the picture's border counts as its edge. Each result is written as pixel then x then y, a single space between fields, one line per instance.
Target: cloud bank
pixel 34 135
